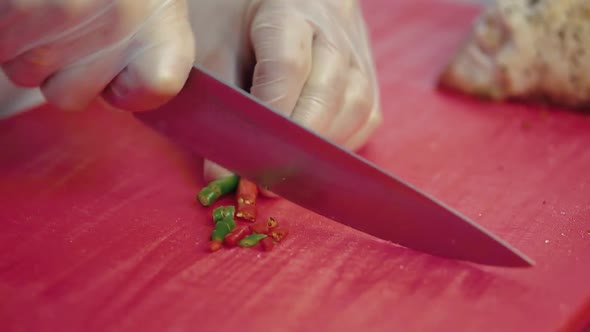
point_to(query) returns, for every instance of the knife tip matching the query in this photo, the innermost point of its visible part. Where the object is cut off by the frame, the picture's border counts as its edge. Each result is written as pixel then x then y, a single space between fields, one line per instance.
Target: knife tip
pixel 519 261
pixel 509 257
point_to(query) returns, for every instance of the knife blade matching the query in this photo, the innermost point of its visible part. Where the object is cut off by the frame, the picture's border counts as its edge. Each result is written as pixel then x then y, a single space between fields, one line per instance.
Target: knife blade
pixel 232 128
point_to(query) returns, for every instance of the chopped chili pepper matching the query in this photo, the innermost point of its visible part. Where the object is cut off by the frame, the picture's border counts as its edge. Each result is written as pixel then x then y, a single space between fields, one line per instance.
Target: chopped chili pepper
pixel 246 193
pixel 214 245
pixel 217 188
pixel 259 227
pixel 272 223
pixel 279 234
pixel 251 240
pixel 246 212
pixel 268 243
pixel 222 228
pixel 236 235
pixel 223 212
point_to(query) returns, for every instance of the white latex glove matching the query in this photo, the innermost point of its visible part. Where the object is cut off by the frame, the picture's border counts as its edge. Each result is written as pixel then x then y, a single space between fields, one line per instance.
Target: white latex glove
pixel 310 60
pixel 136 54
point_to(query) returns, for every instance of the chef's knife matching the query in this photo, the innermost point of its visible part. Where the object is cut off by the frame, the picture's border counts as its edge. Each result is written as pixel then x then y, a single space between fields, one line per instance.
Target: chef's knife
pixel 232 128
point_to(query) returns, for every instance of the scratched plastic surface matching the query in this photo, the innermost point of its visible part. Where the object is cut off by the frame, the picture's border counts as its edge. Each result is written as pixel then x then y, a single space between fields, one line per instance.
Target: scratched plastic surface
pixel 100 231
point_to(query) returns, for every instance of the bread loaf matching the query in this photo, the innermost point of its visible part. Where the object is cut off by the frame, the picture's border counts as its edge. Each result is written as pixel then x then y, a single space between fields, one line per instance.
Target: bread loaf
pixel 531 50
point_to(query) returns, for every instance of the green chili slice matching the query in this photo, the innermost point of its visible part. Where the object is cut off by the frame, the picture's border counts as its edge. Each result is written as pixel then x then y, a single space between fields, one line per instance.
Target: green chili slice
pixel 222 228
pixel 251 240
pixel 223 212
pixel 217 188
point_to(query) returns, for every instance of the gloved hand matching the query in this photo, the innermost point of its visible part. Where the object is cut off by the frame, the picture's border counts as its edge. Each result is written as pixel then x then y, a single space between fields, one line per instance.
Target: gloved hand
pixel 310 60
pixel 136 54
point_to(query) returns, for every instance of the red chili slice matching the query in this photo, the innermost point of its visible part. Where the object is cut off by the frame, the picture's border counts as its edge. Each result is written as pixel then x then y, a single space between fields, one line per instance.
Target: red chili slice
pixel 214 245
pixel 260 228
pixel 247 191
pixel 268 244
pixel 246 212
pixel 246 194
pixel 279 234
pixel 240 232
pixel 272 223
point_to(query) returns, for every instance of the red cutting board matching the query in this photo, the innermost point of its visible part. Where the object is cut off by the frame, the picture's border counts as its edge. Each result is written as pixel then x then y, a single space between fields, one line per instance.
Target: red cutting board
pixel 100 229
